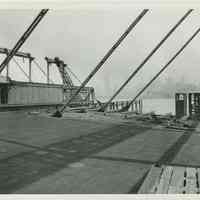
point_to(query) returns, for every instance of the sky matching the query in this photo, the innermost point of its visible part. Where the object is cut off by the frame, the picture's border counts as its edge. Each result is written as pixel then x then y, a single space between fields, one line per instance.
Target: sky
pixel 81 35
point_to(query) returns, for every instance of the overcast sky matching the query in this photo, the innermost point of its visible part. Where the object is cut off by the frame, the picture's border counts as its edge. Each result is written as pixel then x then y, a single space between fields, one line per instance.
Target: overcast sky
pixel 82 35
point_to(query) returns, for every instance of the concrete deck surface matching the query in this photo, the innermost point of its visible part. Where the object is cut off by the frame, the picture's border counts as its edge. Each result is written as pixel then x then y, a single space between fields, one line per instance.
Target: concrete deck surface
pixel 40 154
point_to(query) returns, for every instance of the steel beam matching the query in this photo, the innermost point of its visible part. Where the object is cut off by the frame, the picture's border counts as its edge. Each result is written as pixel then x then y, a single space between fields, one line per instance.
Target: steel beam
pixel 18 54
pixel 50 60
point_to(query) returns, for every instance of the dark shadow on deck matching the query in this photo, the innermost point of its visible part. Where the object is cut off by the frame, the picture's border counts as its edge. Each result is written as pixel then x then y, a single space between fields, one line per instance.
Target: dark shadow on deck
pixel 171 153
pixel 165 159
pixel 129 160
pixel 23 169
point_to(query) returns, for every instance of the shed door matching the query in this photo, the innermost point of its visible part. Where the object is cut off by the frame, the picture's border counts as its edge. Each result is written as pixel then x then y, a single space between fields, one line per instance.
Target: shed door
pixel 181 105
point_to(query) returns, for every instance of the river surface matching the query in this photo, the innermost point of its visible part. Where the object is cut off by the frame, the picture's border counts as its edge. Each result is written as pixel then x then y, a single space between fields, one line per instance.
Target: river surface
pixel 159 106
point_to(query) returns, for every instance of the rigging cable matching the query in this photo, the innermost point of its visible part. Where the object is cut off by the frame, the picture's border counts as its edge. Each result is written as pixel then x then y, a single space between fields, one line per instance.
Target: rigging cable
pixel 103 108
pixel 165 66
pixel 102 61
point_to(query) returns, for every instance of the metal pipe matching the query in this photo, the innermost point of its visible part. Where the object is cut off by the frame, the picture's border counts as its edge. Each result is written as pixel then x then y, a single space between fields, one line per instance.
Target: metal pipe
pixel 23 38
pixel 146 59
pixel 165 66
pixel 104 59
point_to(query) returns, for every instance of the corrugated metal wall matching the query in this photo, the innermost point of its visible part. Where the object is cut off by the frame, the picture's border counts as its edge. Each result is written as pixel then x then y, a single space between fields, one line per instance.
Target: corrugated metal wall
pixel 31 94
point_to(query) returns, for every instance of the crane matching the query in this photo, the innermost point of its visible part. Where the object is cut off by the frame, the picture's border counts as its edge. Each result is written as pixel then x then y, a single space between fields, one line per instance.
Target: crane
pixel 58 113
pixel 23 38
pixel 67 82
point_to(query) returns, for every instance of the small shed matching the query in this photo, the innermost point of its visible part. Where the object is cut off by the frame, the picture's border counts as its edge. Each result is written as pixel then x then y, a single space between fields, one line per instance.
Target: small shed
pixel 187 104
pixel 181 104
pixel 194 103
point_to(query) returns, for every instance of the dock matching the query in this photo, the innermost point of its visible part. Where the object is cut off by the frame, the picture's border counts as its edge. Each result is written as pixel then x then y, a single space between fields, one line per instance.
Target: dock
pixel 86 153
pixel 58 137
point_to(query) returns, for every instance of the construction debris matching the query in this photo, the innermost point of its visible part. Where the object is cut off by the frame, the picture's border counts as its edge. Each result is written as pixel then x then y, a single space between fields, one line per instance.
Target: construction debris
pixel 183 124
pixel 34 112
pixel 166 121
pixel 57 114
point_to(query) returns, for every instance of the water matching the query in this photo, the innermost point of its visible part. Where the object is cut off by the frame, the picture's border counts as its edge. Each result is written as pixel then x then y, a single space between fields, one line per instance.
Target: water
pixel 159 106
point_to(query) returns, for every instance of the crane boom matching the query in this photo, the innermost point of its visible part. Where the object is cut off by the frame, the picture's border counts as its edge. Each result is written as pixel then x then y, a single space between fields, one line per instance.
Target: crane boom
pixel 102 61
pixel 23 39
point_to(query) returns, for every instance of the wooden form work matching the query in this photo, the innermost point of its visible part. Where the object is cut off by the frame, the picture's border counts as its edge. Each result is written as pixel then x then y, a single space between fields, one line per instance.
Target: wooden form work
pixel 171 180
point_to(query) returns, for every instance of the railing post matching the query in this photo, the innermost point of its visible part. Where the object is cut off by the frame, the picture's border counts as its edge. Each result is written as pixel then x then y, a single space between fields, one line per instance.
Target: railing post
pixel 48 64
pixel 30 68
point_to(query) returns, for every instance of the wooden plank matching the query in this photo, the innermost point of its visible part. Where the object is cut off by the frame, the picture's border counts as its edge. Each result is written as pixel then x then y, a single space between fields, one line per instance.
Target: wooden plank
pixel 177 176
pixel 172 180
pixel 191 186
pixel 176 184
pixel 165 180
pixel 151 181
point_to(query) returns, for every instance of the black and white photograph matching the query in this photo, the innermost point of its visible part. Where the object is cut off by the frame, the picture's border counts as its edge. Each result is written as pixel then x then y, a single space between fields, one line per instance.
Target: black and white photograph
pixel 99 97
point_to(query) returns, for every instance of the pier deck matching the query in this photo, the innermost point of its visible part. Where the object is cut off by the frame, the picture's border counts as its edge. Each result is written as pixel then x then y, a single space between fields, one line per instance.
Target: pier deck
pixel 76 154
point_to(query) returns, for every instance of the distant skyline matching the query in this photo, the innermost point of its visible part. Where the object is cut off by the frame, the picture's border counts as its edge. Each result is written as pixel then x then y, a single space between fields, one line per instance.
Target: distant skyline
pixel 82 36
